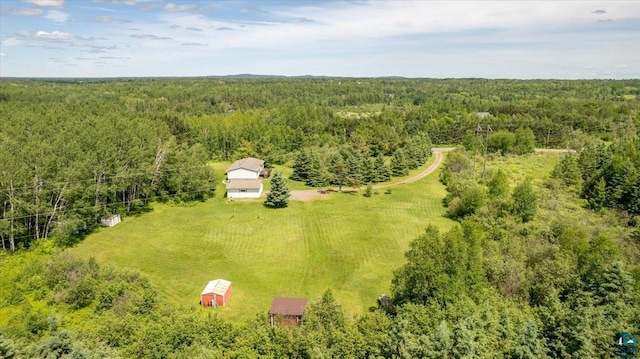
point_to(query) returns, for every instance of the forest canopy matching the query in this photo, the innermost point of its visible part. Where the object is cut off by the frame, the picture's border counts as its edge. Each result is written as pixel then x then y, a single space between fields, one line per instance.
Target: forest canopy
pixel 533 268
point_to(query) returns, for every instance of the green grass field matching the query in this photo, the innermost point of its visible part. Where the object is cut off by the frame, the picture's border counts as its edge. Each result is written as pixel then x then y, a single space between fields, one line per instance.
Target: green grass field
pixel 349 244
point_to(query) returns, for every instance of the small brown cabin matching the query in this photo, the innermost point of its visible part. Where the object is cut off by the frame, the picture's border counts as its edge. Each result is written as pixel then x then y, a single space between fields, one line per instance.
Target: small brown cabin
pixel 287 311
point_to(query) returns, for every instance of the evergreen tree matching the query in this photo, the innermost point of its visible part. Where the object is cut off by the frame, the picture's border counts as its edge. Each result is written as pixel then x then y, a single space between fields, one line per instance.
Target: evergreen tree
pixel 318 175
pixel 567 170
pixel 338 170
pixel 414 154
pixel 368 191
pixel 596 194
pixel 301 166
pixel 528 344
pixel 355 166
pixel 278 196
pixel 369 170
pixel 382 172
pixel 399 165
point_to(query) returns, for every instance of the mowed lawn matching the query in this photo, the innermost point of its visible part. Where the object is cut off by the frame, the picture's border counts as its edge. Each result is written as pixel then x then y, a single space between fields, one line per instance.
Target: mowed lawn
pixel 347 243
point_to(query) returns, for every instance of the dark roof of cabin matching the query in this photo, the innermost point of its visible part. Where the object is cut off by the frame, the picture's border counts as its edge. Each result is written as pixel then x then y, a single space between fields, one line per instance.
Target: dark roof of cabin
pixel 288 306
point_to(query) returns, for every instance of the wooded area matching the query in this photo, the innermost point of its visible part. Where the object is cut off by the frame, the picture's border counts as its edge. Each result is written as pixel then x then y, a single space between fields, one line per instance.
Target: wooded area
pixel 536 268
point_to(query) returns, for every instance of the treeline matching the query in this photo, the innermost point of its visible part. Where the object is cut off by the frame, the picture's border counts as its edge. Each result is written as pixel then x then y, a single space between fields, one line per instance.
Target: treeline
pixel 278 116
pixel 354 167
pixel 73 151
pixel 610 174
pixel 527 274
pixel 574 274
pixel 63 166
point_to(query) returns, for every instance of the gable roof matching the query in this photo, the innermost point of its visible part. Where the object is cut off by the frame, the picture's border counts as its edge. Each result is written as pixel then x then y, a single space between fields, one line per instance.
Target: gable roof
pixel 244 184
pixel 249 163
pixel 218 286
pixel 288 306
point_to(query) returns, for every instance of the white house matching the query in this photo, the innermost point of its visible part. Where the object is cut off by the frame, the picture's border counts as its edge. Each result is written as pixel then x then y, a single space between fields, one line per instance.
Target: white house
pixel 244 188
pixel 246 168
pixel 243 178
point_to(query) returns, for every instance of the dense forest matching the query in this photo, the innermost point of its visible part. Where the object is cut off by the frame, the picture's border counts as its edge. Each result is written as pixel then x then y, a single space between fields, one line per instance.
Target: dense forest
pixel 533 270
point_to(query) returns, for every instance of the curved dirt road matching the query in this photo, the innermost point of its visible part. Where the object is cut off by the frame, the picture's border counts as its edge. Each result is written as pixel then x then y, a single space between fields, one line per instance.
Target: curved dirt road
pixel 310 194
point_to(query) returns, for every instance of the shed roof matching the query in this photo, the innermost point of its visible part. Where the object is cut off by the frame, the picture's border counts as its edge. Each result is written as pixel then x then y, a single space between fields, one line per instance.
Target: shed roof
pixel 218 286
pixel 288 306
pixel 244 184
pixel 249 163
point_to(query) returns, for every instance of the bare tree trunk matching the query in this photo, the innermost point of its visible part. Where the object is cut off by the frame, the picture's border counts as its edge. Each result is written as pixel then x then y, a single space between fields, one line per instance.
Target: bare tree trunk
pixel 96 202
pixel 4 215
pixel 36 188
pixel 12 243
pixel 47 228
pixel 161 154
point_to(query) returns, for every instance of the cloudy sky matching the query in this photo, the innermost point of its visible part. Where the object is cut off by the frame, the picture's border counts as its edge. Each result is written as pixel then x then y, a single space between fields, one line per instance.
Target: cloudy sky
pixel 492 39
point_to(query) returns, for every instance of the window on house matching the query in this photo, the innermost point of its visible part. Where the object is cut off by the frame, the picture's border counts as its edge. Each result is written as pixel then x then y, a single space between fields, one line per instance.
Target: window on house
pixel 243 190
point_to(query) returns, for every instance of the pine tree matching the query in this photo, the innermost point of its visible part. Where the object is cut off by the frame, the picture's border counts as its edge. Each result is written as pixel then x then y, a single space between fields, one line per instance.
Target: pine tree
pixel 399 165
pixel 382 172
pixel 318 175
pixel 369 171
pixel 338 170
pixel 278 197
pixel 415 156
pixel 597 194
pixel 301 166
pixel 355 167
pixel 567 170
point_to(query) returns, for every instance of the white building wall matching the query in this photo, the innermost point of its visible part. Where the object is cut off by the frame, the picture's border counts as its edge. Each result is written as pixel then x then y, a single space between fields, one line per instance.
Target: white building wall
pixel 250 193
pixel 241 173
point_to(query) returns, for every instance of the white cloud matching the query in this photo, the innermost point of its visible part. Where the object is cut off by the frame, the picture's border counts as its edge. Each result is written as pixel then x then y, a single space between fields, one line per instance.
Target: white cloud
pixel 110 20
pixel 180 8
pixel 54 35
pixel 2 54
pixel 21 11
pixel 46 3
pixel 149 36
pixel 136 2
pixel 11 41
pixel 57 16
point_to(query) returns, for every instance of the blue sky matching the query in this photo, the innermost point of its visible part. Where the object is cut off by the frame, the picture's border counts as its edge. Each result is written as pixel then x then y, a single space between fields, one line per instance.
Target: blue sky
pixel 491 39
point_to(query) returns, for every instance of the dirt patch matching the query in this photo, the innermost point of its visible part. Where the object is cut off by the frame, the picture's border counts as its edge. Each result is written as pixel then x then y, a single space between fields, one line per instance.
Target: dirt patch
pixel 309 195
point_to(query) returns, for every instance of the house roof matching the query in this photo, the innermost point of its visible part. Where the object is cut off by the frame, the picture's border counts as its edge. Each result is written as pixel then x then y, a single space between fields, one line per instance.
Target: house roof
pixel 288 306
pixel 244 184
pixel 249 163
pixel 218 286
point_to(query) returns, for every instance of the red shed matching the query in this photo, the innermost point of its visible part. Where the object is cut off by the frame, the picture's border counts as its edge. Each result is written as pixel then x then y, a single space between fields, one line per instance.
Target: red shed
pixel 216 293
pixel 287 311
